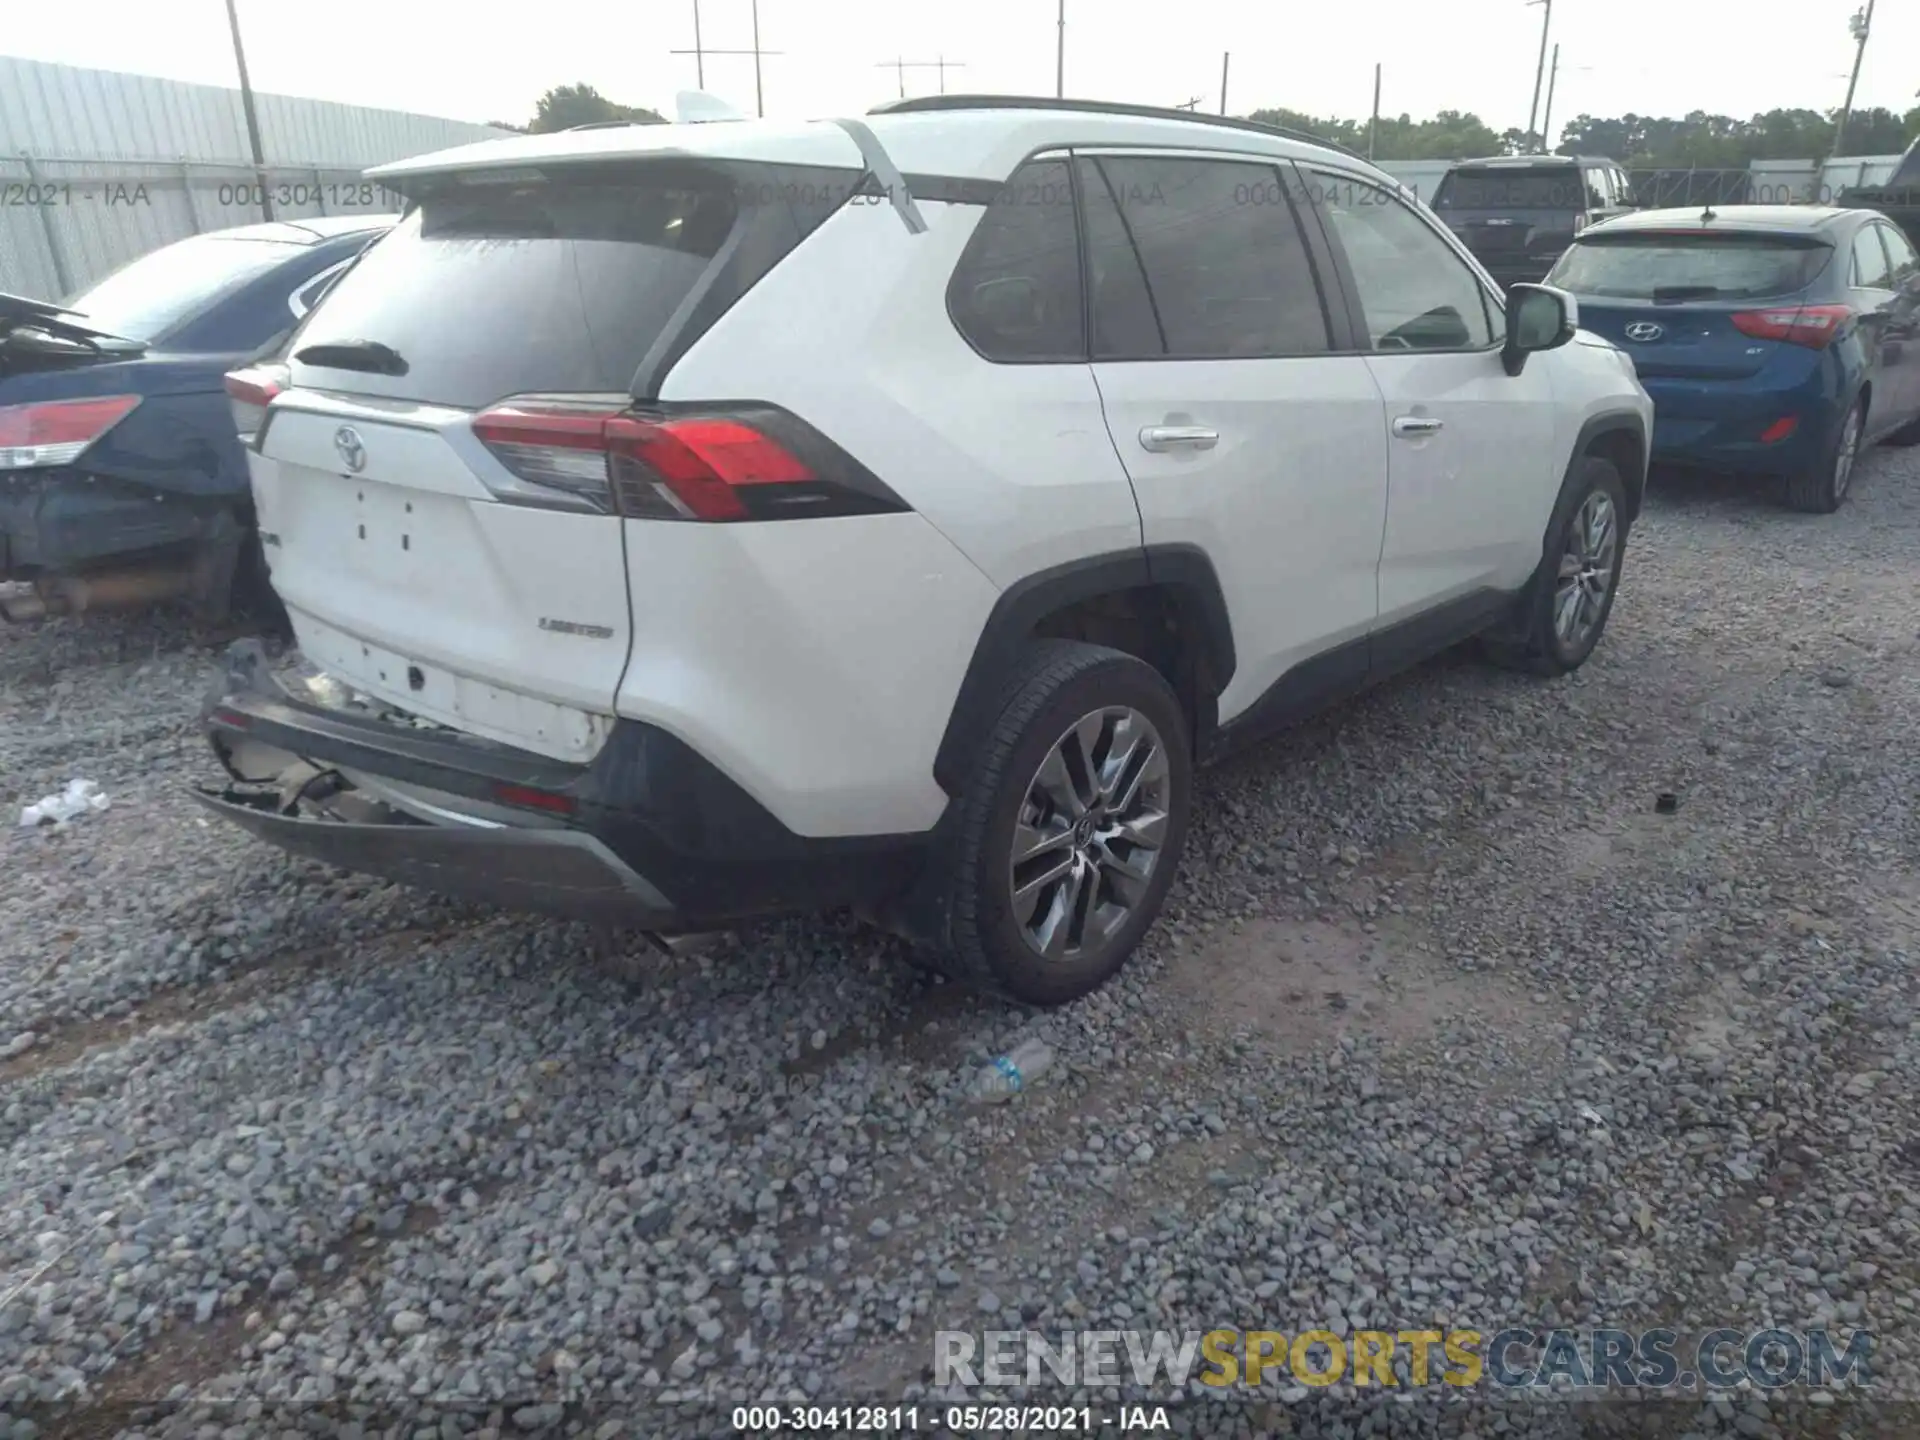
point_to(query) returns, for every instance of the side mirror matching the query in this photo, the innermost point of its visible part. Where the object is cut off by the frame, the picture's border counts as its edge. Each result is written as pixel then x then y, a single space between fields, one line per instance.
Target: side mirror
pixel 1539 317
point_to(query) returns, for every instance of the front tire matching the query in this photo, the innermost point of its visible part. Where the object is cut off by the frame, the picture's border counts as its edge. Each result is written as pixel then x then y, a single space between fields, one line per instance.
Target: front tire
pixel 1822 487
pixel 1563 612
pixel 1070 827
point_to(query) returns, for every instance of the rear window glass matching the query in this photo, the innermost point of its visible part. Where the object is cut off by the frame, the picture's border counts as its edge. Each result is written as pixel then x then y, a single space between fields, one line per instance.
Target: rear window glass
pixel 165 288
pixel 1558 188
pixel 1704 267
pixel 511 287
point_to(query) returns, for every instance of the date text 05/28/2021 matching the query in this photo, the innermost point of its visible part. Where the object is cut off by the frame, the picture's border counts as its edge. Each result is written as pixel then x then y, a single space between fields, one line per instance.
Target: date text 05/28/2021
pixel 959 1419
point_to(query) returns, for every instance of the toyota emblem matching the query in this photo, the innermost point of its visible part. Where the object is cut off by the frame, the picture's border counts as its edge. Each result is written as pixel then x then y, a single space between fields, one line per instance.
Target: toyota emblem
pixel 1644 330
pixel 353 452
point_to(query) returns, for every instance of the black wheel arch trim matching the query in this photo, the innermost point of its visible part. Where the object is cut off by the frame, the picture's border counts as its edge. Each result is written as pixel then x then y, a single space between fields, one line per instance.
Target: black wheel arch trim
pixel 1021 607
pixel 1626 422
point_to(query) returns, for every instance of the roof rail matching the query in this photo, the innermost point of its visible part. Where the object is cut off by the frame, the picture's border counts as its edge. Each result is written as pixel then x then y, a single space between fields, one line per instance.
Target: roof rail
pixel 920 104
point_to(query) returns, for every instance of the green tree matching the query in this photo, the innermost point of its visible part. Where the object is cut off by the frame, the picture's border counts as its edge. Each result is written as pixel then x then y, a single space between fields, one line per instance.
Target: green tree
pixel 566 106
pixel 1447 136
pixel 1879 132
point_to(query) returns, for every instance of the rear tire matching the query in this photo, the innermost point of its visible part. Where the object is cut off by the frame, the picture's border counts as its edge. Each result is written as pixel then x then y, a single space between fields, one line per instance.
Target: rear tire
pixel 1563 612
pixel 1087 769
pixel 1822 487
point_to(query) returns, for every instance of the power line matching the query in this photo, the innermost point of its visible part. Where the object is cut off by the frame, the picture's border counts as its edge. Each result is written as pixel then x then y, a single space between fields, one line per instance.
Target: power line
pixel 700 53
pixel 900 68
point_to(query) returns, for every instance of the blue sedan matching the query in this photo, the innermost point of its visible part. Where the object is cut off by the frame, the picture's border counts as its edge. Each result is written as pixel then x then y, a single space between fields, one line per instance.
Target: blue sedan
pixel 1775 340
pixel 121 476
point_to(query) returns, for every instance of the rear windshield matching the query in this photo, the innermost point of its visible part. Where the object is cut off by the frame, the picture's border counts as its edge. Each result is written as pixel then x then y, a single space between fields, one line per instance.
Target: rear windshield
pixel 521 285
pixel 1553 188
pixel 168 287
pixel 1690 267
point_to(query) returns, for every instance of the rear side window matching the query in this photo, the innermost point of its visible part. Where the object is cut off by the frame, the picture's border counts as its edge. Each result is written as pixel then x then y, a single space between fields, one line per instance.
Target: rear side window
pixel 1706 266
pixel 1015 294
pixel 1871 270
pixel 520 285
pixel 1199 260
pixel 1538 187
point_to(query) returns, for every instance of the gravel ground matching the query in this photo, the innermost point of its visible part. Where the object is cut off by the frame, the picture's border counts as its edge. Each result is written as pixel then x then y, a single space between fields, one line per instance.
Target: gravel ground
pixel 1445 1026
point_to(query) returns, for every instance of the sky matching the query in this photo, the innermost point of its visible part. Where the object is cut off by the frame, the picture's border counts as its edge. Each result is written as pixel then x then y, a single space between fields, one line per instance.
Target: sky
pixel 474 61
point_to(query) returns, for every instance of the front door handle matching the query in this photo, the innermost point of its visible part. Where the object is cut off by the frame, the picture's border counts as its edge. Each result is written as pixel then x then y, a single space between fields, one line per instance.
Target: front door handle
pixel 1161 438
pixel 1412 427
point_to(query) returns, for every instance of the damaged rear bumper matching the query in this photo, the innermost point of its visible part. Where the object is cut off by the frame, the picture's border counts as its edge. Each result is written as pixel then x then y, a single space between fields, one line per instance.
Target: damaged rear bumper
pixel 648 834
pixel 563 872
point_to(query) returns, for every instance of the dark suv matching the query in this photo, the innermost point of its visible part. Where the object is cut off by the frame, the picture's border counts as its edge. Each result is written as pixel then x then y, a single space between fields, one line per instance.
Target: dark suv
pixel 1517 213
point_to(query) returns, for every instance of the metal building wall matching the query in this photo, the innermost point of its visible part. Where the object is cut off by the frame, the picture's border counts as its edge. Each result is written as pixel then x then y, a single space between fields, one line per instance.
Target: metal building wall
pixel 98 167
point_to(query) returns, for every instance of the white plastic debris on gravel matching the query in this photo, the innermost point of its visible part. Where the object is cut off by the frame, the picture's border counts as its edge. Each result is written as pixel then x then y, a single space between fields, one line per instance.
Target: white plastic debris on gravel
pixel 81 797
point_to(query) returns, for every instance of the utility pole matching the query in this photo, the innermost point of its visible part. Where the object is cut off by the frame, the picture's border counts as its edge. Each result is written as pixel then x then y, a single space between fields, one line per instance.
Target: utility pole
pixel 1861 24
pixel 253 119
pixel 1539 70
pixel 759 101
pixel 700 53
pixel 1546 116
pixel 1060 57
pixel 900 68
pixel 1224 58
pixel 1193 104
pixel 1373 125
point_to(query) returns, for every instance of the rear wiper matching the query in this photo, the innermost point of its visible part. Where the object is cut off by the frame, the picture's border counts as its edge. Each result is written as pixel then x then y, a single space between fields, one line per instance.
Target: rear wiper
pixel 1668 294
pixel 368 355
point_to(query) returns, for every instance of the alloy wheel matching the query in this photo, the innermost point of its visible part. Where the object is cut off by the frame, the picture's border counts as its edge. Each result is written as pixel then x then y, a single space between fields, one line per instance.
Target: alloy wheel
pixel 1586 570
pixel 1090 833
pixel 1849 452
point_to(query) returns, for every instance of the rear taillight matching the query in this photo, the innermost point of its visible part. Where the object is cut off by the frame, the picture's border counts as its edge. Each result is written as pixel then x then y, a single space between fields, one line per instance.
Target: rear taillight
pixel 1811 325
pixel 57 432
pixel 250 392
pixel 748 462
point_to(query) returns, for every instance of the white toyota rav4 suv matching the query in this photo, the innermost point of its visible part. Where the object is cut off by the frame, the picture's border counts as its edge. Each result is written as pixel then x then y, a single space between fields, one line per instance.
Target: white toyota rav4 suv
pixel 696 522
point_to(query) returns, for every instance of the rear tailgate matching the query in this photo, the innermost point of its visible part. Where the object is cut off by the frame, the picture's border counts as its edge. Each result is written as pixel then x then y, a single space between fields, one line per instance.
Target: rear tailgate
pixel 1510 214
pixel 409 580
pixel 1671 298
pixel 483 584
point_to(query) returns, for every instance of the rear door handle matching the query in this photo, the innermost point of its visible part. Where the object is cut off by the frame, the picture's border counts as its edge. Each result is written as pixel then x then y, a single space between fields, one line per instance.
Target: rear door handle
pixel 1412 427
pixel 1160 438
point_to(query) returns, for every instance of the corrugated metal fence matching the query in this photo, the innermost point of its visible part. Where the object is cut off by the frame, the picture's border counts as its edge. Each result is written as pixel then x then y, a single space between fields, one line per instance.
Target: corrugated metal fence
pixel 98 167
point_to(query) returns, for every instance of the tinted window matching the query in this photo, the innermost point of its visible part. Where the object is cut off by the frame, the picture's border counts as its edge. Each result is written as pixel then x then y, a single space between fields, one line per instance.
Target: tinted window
pixel 150 296
pixel 1678 267
pixel 1222 255
pixel 1016 292
pixel 1599 190
pixel 1415 292
pixel 495 289
pixel 1535 187
pixel 1125 324
pixel 1905 263
pixel 1870 268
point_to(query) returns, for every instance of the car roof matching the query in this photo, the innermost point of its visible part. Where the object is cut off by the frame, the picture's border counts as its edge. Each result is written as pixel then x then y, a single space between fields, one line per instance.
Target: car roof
pixel 1525 162
pixel 306 231
pixel 1793 219
pixel 970 137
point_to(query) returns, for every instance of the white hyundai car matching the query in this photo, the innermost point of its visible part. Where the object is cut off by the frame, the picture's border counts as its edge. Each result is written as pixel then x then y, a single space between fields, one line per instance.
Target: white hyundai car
pixel 685 523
